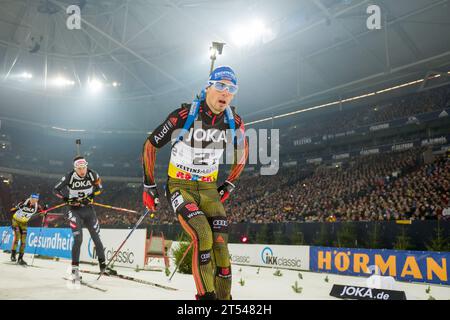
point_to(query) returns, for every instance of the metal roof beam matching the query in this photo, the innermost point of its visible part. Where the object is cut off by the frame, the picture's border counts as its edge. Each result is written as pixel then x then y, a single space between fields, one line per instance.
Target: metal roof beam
pixel 125 18
pixel 113 58
pixel 398 28
pixel 140 57
pixel 327 13
pixel 133 74
pixel 352 83
pixel 21 46
pixel 309 27
pixel 23 14
pixel 216 37
pixel 74 69
pixel 390 23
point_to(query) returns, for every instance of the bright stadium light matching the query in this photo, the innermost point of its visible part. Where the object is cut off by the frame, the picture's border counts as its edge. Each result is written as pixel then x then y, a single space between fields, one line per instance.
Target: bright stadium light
pixel 60 81
pixel 115 84
pixel 26 75
pixel 76 130
pixel 215 50
pixel 95 85
pixel 251 33
pixel 22 76
pixel 212 53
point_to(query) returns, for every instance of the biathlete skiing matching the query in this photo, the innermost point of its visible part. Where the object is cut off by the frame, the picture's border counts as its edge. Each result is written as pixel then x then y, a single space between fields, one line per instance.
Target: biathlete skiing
pixel 78 189
pixel 199 133
pixel 22 213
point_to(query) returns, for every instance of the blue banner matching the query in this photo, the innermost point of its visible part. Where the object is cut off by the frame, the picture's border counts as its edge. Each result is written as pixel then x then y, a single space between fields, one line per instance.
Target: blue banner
pixel 52 242
pixel 411 266
pixel 6 238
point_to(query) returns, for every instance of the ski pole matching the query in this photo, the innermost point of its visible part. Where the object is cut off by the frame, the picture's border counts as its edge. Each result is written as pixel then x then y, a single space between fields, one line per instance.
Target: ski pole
pixel 181 261
pixel 40 231
pixel 53 208
pixel 42 225
pixel 123 242
pixel 114 208
pixel 118 209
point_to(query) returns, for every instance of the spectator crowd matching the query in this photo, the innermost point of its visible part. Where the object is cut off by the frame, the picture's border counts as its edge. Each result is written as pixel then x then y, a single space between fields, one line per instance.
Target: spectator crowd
pixel 345 120
pixel 381 187
pixel 388 186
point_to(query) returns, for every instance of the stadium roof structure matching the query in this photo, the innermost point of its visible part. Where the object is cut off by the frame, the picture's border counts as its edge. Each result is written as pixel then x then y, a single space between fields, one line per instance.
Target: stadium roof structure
pixel 151 55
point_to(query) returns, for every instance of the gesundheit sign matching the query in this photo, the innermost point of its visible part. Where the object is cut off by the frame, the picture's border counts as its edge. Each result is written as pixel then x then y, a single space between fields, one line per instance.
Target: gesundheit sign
pixel 50 242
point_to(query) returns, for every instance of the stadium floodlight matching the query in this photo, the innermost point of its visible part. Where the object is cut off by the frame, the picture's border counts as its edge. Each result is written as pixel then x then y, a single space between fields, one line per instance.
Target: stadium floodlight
pixel 22 76
pixel 26 75
pixel 115 84
pixel 60 81
pixel 215 49
pixel 58 128
pixel 251 33
pixel 95 85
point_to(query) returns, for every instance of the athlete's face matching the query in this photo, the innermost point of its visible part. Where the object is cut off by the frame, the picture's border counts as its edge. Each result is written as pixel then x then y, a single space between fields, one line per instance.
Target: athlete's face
pixel 33 201
pixel 218 100
pixel 81 171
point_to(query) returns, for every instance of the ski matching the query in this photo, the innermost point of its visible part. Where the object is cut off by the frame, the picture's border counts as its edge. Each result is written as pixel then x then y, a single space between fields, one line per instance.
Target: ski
pixel 121 276
pixel 22 265
pixel 87 285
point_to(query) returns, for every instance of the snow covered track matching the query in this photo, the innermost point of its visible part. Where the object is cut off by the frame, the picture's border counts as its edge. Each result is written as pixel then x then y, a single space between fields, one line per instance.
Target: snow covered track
pixel 46 282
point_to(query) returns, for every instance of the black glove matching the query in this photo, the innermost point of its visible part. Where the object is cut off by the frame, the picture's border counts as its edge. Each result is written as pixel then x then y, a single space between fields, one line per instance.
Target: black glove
pixel 225 189
pixel 150 197
pixel 44 208
pixel 73 202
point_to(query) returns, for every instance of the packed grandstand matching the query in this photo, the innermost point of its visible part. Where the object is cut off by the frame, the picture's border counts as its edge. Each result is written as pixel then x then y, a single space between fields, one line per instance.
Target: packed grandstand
pixel 404 173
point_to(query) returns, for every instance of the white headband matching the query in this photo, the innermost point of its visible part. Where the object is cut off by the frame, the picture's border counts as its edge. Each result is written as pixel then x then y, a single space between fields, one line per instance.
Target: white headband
pixel 80 163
